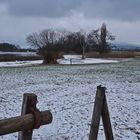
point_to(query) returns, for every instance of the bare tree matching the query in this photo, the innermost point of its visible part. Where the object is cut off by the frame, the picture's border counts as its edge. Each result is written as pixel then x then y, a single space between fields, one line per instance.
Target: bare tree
pixel 105 36
pixel 99 39
pixel 47 43
pixel 83 38
pixel 72 43
pixel 93 39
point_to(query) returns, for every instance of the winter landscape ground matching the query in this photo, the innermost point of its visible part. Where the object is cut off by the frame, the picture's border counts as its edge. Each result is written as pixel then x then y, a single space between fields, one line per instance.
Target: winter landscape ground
pixel 69 91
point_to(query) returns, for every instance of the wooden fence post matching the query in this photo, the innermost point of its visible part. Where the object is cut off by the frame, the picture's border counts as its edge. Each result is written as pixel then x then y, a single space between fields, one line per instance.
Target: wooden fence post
pixel 100 109
pixel 29 101
pixel 96 114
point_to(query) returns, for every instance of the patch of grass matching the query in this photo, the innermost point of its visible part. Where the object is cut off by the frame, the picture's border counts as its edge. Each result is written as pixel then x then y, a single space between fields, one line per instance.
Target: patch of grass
pixel 115 54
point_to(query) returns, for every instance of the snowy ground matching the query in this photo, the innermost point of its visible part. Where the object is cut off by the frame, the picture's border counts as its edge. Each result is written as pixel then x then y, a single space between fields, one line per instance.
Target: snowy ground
pixel 69 91
pixel 76 59
pixel 20 63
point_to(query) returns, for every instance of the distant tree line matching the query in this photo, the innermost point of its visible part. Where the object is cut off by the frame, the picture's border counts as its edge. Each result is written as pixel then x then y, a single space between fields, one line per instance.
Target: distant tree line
pixel 7 47
pixel 50 43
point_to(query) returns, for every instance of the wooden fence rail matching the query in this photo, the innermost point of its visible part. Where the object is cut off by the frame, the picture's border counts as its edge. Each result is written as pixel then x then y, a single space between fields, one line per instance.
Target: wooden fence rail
pixel 22 123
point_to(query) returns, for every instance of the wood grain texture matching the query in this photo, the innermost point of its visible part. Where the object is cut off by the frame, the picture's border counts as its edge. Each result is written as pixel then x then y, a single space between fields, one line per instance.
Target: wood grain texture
pixel 22 123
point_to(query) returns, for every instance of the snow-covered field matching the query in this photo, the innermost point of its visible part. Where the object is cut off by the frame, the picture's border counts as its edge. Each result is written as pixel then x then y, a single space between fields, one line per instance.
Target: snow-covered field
pixel 69 91
pixel 20 63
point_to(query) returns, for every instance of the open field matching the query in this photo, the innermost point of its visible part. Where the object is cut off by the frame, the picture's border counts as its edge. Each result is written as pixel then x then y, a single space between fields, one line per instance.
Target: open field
pixel 69 91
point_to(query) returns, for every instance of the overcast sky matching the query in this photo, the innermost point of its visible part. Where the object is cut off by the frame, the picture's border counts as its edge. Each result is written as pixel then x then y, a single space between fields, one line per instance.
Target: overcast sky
pixel 18 18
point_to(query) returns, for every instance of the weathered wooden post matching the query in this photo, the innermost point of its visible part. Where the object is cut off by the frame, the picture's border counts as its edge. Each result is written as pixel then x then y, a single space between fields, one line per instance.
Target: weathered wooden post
pixel 96 114
pixel 29 103
pixel 29 106
pixel 100 109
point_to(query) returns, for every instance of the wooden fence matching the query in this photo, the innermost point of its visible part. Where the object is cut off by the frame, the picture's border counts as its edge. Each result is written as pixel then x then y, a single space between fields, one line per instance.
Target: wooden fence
pixel 31 118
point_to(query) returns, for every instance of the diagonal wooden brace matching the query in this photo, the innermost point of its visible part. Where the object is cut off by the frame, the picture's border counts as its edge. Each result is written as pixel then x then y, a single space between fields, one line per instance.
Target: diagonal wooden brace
pixel 101 110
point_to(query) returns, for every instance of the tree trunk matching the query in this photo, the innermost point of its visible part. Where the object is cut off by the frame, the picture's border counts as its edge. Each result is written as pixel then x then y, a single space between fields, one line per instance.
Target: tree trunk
pixel 83 53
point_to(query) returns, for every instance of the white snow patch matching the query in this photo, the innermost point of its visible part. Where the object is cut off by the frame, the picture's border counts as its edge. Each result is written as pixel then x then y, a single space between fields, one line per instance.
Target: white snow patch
pixel 19 53
pixel 76 59
pixel 20 63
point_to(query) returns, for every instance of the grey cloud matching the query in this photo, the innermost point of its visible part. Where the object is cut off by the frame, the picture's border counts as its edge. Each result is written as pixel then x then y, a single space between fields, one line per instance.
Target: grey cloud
pixel 48 8
pixel 115 9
